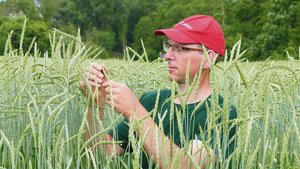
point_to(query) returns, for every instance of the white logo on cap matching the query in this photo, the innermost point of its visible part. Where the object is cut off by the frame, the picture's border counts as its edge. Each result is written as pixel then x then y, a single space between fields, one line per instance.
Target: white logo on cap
pixel 186 25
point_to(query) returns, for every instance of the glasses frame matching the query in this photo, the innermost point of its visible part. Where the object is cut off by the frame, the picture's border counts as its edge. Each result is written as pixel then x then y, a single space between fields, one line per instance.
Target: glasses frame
pixel 178 48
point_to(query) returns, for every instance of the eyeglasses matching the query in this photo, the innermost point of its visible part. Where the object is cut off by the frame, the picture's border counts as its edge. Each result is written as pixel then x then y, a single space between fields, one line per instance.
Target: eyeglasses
pixel 178 48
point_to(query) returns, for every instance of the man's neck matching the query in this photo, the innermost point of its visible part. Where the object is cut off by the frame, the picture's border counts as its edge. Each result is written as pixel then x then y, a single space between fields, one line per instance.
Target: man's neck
pixel 199 92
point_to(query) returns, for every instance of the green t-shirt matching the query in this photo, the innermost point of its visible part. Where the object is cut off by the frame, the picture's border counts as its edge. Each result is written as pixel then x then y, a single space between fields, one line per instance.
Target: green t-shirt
pixel 194 122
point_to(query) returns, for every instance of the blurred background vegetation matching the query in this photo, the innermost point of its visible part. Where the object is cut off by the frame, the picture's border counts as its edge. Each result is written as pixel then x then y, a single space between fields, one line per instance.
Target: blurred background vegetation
pixel 266 27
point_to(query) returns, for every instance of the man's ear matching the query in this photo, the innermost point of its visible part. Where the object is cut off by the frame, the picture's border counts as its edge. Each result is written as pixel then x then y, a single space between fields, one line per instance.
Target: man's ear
pixel 210 60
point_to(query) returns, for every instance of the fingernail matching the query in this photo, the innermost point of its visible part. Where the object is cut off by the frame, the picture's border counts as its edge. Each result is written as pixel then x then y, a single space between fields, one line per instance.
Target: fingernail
pixel 99 67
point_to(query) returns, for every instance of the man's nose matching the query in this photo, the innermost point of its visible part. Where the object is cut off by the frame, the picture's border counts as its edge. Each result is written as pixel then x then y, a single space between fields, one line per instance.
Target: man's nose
pixel 169 55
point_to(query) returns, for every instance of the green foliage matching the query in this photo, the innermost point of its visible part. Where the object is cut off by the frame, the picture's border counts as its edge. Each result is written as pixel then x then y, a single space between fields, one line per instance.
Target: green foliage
pixel 69 27
pixel 47 9
pixel 267 28
pixel 102 38
pixel 11 7
pixel 35 29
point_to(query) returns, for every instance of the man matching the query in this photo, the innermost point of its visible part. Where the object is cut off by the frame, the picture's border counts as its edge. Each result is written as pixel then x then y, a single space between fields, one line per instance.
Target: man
pixel 193 45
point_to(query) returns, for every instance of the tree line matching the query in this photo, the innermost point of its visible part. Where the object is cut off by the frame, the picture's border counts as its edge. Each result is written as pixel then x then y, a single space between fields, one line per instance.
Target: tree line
pixel 267 28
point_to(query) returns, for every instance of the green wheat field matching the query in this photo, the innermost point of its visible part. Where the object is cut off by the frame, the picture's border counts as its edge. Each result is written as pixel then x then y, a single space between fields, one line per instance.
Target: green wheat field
pixel 42 110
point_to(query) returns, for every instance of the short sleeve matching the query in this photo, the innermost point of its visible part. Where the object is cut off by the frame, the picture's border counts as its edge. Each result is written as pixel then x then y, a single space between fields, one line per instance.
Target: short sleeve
pixel 148 100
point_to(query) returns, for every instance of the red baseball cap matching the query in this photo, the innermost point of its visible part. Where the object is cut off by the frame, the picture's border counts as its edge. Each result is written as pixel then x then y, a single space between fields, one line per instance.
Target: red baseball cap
pixel 200 29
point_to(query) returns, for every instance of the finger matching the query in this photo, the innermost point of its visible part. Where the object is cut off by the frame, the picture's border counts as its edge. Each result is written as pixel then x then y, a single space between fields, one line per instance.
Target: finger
pixel 105 69
pixel 97 72
pixel 82 84
pixel 110 91
pixel 92 77
pixel 107 89
pixel 112 84
pixel 94 71
pixel 96 66
pixel 92 83
pixel 100 69
pixel 108 97
pixel 106 84
pixel 108 102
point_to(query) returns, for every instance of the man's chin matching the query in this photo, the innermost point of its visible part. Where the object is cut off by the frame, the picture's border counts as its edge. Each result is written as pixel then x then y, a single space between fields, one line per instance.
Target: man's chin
pixel 172 78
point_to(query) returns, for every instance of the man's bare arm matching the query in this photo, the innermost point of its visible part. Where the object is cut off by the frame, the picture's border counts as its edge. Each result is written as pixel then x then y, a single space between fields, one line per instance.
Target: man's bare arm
pixel 151 132
pixel 91 129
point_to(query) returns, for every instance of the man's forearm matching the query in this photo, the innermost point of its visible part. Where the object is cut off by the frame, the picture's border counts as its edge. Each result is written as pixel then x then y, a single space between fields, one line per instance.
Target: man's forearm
pixel 163 150
pixel 154 148
pixel 151 132
pixel 91 127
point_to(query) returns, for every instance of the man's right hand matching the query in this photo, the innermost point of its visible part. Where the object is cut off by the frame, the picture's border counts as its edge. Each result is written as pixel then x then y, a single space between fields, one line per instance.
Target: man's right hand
pixel 94 74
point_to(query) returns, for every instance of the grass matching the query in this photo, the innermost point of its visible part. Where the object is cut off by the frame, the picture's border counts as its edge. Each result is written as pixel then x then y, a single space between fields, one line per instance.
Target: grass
pixel 42 111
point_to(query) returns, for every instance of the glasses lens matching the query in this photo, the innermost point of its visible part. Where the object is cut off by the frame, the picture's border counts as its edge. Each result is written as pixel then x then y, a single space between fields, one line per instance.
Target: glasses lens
pixel 166 46
pixel 161 55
